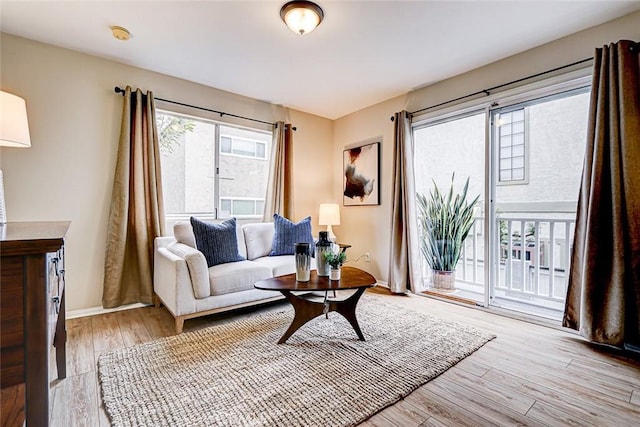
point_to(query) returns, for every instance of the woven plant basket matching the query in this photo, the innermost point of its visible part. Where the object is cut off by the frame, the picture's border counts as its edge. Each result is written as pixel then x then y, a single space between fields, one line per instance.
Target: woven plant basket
pixel 443 280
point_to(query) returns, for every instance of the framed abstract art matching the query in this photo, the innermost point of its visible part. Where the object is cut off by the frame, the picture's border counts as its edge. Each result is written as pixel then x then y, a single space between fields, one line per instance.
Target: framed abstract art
pixel 361 175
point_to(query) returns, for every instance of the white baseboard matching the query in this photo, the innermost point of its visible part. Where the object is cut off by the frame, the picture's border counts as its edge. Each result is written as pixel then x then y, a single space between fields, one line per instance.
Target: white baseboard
pixel 94 311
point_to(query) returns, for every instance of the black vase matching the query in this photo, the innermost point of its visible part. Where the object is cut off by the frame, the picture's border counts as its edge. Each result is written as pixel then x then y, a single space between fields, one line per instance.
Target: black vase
pixel 323 246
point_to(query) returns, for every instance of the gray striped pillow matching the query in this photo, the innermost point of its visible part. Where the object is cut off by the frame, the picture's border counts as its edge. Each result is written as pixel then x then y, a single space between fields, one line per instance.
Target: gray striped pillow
pixel 217 242
pixel 288 233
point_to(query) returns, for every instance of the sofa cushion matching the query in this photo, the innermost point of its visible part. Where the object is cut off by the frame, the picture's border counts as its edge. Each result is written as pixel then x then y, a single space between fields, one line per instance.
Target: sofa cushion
pixel 288 233
pixel 258 239
pixel 236 277
pixel 217 242
pixel 281 265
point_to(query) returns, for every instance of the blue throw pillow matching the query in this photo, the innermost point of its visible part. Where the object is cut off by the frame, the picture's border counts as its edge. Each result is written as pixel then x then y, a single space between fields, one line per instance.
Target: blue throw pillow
pixel 217 242
pixel 287 234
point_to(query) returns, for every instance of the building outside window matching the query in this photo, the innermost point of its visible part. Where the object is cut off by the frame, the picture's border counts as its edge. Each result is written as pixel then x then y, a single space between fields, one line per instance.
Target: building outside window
pixel 242 207
pixel 512 149
pixel 211 170
pixel 242 147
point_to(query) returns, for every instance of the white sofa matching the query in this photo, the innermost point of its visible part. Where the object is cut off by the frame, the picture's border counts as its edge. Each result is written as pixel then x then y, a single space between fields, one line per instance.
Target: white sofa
pixel 188 289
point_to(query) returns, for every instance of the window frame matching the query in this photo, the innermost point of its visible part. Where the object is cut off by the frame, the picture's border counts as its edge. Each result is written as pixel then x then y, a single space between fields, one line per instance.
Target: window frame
pixel 574 81
pixel 216 214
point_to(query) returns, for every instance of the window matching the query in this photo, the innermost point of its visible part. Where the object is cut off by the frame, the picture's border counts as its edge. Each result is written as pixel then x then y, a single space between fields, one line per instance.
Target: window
pixel 210 170
pixel 242 207
pixel 511 134
pixel 242 147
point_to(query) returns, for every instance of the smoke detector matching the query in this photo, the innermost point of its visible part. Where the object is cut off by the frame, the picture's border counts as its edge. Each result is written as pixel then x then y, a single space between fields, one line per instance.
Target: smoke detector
pixel 120 33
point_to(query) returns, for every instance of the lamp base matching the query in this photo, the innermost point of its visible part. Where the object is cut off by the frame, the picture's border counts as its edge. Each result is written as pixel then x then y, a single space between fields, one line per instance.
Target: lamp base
pixel 332 236
pixel 3 212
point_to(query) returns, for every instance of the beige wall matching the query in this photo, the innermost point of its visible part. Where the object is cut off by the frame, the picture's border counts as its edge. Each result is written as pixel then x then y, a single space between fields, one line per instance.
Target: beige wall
pixel 74 119
pixel 367 228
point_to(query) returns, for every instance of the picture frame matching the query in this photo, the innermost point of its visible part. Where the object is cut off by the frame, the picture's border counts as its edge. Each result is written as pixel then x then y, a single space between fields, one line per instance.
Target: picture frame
pixel 361 175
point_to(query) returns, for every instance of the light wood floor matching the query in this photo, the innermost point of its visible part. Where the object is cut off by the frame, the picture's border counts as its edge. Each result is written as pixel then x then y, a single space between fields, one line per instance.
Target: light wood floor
pixel 529 375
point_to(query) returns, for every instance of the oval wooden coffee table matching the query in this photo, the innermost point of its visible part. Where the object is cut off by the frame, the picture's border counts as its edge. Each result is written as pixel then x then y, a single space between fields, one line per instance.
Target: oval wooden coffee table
pixel 307 309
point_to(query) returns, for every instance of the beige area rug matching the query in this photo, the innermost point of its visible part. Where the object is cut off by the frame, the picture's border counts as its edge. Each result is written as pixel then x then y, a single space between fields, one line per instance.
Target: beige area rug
pixel 235 374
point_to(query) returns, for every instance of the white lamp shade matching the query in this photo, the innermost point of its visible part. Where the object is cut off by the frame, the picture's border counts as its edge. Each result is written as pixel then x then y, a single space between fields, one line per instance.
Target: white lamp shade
pixel 14 128
pixel 329 214
pixel 301 17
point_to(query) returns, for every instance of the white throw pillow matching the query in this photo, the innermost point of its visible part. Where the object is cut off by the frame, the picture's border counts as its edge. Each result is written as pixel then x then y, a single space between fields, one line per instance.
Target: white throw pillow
pixel 258 238
pixel 183 232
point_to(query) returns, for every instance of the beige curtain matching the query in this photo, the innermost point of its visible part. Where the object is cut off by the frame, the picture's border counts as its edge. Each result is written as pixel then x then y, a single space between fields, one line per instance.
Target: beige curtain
pixel 405 271
pixel 603 298
pixel 279 197
pixel 137 214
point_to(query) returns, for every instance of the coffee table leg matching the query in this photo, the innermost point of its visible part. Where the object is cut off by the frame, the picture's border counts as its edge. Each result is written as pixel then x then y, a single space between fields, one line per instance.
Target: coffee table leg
pixel 306 310
pixel 303 312
pixel 347 309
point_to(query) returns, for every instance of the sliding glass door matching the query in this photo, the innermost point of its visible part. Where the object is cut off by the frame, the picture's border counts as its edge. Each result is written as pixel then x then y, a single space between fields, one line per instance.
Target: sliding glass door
pixel 538 150
pixel 455 148
pixel 523 156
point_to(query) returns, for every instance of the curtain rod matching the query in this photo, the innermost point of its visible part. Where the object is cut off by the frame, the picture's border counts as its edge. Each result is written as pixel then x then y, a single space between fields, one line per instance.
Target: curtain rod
pixel 487 92
pixel 222 113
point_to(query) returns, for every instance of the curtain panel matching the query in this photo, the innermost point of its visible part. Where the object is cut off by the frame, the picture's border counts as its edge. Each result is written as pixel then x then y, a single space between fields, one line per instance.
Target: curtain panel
pixel 603 297
pixel 137 214
pixel 405 271
pixel 279 195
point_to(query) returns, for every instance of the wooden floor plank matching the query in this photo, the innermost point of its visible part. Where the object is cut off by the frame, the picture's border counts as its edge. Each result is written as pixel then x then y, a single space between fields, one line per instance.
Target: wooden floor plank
pixel 79 346
pixel 107 335
pixel 552 416
pixel 379 420
pixel 432 422
pixel 514 400
pixel 103 418
pixel 133 328
pixel 571 400
pixel 477 403
pixel 473 367
pixel 529 375
pixel 444 410
pixel 158 321
pixel 77 397
pixel 403 414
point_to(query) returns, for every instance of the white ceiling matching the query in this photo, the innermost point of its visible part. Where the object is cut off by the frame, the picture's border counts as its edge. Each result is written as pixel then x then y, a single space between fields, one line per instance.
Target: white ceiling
pixel 364 52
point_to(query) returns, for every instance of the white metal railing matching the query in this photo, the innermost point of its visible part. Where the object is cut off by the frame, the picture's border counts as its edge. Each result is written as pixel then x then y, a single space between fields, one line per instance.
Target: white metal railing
pixel 533 257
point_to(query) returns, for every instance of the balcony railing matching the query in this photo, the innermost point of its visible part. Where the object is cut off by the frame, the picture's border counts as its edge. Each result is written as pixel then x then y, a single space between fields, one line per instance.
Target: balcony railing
pixel 533 259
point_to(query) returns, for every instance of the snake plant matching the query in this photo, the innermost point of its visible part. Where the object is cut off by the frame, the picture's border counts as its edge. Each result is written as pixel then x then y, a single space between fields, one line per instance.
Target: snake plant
pixel 445 222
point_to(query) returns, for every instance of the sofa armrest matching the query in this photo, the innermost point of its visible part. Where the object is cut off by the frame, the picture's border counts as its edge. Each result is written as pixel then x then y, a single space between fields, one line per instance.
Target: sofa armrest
pixel 162 242
pixel 197 265
pixel 172 283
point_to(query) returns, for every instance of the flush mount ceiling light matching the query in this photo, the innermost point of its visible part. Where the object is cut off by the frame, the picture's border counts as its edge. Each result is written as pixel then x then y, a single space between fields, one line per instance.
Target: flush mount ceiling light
pixel 301 17
pixel 120 33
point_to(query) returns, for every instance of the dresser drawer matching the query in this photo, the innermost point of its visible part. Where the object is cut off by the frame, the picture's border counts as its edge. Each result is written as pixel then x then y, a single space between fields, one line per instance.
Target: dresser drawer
pixel 11 321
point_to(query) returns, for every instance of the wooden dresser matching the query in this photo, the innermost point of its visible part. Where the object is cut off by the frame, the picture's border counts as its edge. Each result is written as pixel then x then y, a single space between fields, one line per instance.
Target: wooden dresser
pixel 32 312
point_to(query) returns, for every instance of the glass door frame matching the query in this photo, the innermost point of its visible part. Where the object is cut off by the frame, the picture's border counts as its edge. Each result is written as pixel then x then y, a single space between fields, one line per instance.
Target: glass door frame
pixel 575 81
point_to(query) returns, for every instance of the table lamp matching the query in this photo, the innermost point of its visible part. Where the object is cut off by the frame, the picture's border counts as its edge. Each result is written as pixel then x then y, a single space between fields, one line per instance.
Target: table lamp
pixel 329 215
pixel 14 132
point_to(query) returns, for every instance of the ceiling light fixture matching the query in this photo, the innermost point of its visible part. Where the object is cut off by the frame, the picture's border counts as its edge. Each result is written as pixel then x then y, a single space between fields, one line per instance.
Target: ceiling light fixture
pixel 301 17
pixel 120 33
